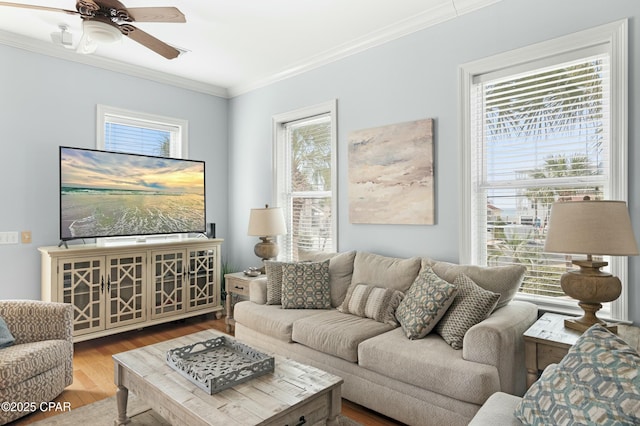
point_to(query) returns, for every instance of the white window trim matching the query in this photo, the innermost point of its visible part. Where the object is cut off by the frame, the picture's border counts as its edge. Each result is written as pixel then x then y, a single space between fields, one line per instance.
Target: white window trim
pixel 278 122
pixel 615 37
pixel 135 118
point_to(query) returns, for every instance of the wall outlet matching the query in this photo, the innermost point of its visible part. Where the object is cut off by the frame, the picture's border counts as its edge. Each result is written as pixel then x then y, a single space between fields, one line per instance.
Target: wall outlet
pixel 9 237
pixel 26 237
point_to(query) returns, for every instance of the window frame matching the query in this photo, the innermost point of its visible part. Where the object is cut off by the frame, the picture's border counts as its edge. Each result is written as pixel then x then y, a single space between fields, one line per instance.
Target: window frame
pixel 279 122
pixel 614 37
pixel 179 143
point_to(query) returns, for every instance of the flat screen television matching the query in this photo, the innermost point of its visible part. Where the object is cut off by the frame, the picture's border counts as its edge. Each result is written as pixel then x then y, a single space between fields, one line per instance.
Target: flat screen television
pixel 114 194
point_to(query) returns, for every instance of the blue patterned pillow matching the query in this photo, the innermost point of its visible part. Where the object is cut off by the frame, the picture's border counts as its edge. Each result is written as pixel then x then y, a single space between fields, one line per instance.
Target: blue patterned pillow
pixel 6 338
pixel 425 303
pixel 597 382
pixel 306 285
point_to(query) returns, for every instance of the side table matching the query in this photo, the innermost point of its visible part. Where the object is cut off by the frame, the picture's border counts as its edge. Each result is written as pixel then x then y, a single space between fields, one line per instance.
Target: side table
pixel 236 283
pixel 547 341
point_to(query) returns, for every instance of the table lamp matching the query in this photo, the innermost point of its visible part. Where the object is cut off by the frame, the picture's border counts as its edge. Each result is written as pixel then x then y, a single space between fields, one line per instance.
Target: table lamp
pixel 591 228
pixel 266 223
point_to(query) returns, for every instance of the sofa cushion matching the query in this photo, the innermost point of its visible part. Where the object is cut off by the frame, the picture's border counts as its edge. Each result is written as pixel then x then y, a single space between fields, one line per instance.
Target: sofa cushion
pixel 471 305
pixel 340 271
pixel 429 363
pixel 505 280
pixel 425 303
pixel 273 270
pixel 336 333
pixel 6 338
pixel 306 285
pixel 26 360
pixel 373 302
pixel 597 382
pixel 382 271
pixel 271 320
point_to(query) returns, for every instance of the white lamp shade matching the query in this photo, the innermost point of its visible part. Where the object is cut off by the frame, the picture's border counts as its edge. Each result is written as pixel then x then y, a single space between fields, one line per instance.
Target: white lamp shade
pixel 590 227
pixel 266 222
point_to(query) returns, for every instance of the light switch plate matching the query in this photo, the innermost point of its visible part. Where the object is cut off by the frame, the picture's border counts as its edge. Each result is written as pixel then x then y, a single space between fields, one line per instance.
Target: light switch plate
pixel 10 237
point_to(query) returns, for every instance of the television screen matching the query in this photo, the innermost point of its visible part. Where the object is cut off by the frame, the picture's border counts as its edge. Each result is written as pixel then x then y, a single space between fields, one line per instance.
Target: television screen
pixel 109 194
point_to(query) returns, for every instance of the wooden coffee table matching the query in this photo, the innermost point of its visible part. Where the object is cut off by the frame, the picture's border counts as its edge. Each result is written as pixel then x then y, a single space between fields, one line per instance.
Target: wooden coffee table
pixel 294 393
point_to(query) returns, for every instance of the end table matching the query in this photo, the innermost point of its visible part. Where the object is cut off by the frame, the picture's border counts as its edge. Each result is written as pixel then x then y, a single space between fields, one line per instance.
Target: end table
pixel 236 283
pixel 547 341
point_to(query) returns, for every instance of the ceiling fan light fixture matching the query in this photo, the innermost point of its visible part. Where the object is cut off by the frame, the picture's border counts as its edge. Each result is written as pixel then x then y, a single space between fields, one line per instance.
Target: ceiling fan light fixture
pixel 100 32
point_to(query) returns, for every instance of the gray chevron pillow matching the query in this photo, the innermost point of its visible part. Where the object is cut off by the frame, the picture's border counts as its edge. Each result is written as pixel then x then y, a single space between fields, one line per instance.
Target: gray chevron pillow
pixel 471 305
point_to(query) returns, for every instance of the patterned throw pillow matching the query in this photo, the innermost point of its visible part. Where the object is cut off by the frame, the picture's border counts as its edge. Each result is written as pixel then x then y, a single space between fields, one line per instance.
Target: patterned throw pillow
pixel 471 305
pixel 597 382
pixel 6 338
pixel 425 303
pixel 273 270
pixel 306 285
pixel 373 302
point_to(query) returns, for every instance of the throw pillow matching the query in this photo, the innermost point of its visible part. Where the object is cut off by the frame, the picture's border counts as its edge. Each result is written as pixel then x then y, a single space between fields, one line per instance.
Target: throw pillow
pixel 373 302
pixel 505 280
pixel 597 382
pixel 6 338
pixel 340 271
pixel 425 303
pixel 471 305
pixel 306 285
pixel 273 269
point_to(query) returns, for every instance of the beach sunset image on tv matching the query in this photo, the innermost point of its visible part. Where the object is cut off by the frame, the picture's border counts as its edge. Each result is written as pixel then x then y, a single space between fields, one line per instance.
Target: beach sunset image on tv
pixel 115 194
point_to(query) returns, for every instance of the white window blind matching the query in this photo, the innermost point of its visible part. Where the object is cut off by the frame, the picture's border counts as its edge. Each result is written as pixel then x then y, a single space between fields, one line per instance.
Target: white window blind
pixel 308 194
pixel 538 124
pixel 141 133
pixel 305 178
pixel 540 136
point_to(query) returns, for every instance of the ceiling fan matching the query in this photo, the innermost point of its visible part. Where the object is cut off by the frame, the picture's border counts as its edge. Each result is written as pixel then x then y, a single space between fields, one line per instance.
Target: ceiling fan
pixel 106 21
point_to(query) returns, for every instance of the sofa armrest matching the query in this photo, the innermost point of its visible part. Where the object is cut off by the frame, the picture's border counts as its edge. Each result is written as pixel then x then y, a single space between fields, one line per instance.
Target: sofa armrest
pixel 498 341
pixel 258 291
pixel 35 321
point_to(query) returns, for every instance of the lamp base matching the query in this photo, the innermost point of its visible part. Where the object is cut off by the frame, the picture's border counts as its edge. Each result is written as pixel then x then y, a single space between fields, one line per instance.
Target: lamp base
pixel 591 287
pixel 266 249
pixel 585 322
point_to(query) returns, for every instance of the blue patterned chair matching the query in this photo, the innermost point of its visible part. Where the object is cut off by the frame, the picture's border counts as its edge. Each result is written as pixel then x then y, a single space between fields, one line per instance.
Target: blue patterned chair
pixel 39 365
pixel 596 383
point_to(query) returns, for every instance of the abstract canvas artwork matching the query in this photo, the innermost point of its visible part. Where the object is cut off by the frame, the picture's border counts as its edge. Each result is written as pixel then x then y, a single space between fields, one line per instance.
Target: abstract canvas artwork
pixel 391 174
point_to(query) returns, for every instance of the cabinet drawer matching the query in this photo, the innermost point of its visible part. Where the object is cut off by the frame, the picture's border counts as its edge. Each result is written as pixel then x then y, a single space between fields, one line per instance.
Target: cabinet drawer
pixel 238 287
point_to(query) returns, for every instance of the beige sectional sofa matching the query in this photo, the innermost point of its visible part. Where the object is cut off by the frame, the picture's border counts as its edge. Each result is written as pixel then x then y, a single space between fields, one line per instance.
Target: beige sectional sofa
pixel 418 382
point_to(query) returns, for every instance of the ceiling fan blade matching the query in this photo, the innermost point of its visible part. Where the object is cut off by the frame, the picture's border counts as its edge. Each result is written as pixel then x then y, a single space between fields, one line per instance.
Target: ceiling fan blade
pixel 156 14
pixel 149 41
pixel 34 7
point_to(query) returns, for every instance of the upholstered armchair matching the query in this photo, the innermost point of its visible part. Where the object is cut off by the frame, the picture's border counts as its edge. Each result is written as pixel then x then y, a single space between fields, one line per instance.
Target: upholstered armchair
pixel 39 365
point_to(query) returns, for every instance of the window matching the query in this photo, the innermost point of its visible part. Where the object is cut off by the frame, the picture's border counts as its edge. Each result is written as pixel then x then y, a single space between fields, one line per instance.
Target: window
pixel 542 124
pixel 305 187
pixel 139 133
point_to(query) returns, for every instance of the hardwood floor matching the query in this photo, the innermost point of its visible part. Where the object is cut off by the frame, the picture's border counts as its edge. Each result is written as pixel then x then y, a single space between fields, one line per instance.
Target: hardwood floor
pixel 93 368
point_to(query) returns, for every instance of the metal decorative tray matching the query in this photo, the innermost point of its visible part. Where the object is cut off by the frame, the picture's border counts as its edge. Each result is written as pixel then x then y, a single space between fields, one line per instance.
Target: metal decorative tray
pixel 220 363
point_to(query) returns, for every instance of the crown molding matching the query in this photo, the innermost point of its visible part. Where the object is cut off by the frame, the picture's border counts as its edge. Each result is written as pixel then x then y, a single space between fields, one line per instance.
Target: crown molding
pixel 442 12
pixel 428 18
pixel 49 49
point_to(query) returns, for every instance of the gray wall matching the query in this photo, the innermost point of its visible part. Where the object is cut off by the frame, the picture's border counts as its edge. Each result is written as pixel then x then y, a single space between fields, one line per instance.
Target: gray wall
pixel 47 102
pixel 411 78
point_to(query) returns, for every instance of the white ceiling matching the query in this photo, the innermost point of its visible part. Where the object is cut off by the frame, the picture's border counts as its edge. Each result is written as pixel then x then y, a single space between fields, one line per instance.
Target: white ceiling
pixel 236 45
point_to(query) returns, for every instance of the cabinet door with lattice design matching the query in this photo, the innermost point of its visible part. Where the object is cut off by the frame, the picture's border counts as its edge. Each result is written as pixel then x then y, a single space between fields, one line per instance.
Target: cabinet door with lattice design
pixel 168 296
pixel 203 279
pixel 126 289
pixel 83 287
